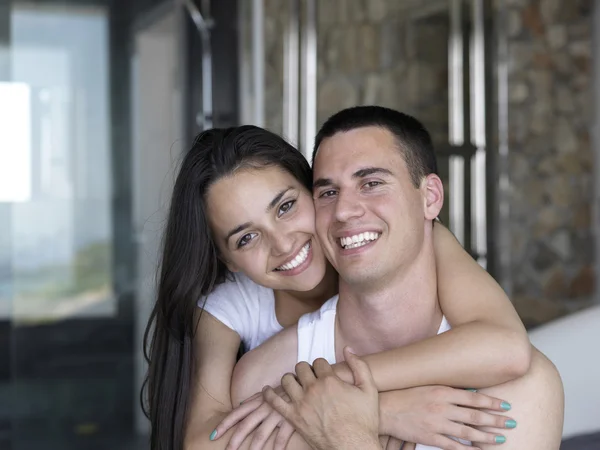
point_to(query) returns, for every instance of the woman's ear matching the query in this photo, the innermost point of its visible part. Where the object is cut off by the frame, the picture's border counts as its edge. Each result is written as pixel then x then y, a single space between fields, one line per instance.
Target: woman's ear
pixel 232 267
pixel 433 198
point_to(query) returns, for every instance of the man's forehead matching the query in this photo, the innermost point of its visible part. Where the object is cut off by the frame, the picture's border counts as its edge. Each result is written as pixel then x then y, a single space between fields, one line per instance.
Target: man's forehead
pixel 348 150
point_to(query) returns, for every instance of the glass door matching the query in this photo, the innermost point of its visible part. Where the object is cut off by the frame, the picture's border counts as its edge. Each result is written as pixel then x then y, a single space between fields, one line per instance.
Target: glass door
pixel 67 272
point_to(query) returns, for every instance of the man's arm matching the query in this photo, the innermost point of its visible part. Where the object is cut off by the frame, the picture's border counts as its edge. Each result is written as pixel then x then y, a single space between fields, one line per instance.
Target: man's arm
pixel 487 346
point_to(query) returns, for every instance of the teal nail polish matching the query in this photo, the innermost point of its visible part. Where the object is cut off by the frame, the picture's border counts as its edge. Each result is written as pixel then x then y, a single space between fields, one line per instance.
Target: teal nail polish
pixel 500 439
pixel 505 406
pixel 510 424
pixel 213 435
pixel 471 390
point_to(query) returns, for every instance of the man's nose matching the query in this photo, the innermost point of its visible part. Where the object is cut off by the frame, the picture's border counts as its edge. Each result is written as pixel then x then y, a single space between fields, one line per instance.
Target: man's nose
pixel 348 207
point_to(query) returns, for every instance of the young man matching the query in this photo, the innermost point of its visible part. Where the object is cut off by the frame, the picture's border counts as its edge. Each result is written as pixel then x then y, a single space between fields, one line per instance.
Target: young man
pixel 376 197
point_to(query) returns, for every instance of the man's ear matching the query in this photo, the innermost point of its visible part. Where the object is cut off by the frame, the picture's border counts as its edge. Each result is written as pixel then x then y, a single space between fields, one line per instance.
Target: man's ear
pixel 433 196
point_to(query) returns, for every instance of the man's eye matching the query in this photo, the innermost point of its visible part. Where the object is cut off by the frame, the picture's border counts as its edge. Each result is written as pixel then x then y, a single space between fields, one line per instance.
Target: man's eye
pixel 286 207
pixel 372 184
pixel 329 193
pixel 245 239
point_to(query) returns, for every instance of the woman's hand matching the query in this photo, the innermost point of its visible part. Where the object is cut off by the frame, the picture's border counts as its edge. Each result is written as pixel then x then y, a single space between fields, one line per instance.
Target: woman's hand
pixel 254 415
pixel 429 414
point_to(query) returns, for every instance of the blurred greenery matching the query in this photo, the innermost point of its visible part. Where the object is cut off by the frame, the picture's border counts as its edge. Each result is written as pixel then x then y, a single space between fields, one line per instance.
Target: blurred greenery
pixel 90 270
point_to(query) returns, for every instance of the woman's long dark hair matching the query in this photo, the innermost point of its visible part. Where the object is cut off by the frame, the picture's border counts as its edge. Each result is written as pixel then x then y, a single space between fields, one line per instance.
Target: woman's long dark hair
pixel 190 267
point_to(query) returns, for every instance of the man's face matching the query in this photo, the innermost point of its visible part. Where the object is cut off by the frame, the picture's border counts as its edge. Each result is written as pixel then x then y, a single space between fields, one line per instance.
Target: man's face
pixel 370 217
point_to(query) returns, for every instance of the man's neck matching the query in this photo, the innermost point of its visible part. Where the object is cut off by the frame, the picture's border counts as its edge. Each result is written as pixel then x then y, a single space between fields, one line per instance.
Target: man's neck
pixel 390 313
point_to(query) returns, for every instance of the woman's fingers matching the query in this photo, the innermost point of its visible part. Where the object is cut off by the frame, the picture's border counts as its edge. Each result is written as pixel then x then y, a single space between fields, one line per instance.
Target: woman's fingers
pixel 283 435
pixel 265 430
pixel 393 444
pixel 238 414
pixel 478 400
pixel 446 443
pixel 468 433
pixel 247 426
pixel 480 418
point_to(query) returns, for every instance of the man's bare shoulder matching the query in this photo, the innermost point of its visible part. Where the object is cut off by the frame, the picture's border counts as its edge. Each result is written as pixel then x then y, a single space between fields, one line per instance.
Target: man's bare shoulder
pixel 265 365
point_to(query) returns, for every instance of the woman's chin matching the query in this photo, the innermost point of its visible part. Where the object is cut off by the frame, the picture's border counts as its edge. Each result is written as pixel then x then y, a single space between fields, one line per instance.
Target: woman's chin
pixel 304 282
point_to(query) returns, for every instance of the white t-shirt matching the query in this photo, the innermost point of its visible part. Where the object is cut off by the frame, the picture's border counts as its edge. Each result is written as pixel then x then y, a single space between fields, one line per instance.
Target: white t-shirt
pixel 245 307
pixel 316 339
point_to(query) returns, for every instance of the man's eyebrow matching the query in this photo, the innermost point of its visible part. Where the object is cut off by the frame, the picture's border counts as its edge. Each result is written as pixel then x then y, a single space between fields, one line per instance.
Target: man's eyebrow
pixel 361 173
pixel 322 182
pixel 277 198
pixel 237 229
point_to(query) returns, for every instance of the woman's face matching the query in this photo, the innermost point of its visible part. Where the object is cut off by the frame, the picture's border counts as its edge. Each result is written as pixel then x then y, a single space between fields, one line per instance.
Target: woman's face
pixel 263 221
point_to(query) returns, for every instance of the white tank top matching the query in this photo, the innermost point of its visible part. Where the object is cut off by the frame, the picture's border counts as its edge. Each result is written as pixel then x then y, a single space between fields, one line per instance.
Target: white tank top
pixel 316 339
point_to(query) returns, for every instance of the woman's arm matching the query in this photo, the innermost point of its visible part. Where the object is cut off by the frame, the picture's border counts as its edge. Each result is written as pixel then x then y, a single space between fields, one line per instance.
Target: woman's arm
pixel 216 348
pixel 488 344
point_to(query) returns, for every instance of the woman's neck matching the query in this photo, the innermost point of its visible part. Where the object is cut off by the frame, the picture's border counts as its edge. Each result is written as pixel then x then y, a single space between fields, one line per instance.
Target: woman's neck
pixel 290 305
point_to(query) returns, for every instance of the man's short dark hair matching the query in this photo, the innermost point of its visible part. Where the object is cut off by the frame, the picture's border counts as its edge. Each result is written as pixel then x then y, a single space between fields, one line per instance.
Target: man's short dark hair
pixel 412 138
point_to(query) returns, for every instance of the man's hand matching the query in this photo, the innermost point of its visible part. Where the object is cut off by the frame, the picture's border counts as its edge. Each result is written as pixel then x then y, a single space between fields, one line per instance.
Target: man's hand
pixel 327 412
pixel 429 414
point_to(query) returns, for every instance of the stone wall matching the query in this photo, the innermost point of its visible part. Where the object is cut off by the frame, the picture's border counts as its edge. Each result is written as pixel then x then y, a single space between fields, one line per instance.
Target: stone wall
pixel 369 52
pixel 550 156
pixel 394 53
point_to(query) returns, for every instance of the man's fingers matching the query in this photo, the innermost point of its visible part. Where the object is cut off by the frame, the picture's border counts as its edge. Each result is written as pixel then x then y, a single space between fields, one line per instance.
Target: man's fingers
pixel 305 374
pixel 291 387
pixel 238 414
pixel 409 446
pixel 277 403
pixel 322 368
pixel 362 374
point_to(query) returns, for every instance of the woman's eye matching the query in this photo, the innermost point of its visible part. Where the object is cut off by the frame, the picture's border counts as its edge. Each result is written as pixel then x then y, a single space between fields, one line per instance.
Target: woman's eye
pixel 286 207
pixel 245 239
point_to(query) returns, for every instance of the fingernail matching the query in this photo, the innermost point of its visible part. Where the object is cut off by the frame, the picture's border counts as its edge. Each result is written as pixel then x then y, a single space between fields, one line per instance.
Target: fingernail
pixel 213 435
pixel 505 406
pixel 500 439
pixel 471 390
pixel 510 424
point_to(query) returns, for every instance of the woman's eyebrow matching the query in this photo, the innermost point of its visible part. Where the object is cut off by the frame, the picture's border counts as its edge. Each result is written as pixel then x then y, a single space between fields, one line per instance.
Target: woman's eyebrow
pixel 237 229
pixel 271 205
pixel 277 198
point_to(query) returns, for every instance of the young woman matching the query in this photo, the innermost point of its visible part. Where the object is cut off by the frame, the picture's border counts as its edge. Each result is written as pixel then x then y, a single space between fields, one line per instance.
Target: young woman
pixel 227 175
